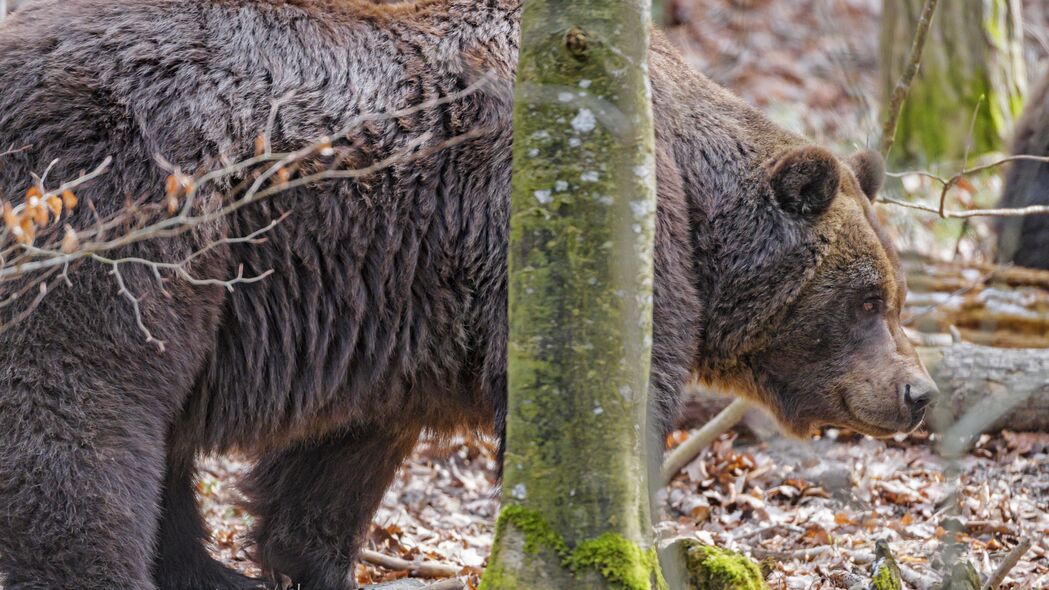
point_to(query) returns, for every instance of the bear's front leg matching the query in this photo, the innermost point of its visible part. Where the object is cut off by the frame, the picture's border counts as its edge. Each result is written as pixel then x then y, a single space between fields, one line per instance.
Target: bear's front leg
pixel 85 407
pixel 182 559
pixel 79 483
pixel 314 502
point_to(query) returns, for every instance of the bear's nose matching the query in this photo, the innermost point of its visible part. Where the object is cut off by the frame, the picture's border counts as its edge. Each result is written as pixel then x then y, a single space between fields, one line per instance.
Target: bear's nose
pixel 918 394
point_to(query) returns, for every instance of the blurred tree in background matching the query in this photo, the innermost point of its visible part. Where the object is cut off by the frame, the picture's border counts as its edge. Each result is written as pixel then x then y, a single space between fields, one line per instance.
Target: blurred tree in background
pixel 970 85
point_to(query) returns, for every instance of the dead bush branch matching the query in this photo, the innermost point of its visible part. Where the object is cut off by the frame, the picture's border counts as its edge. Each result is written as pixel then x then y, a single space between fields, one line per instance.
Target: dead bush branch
pixel 950 183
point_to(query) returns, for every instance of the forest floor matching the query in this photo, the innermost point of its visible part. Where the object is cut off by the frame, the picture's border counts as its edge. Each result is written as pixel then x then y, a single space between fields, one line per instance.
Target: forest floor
pixel 810 511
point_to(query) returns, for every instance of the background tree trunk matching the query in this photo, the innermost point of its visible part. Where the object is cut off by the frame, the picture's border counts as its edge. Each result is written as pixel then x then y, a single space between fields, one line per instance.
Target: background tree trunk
pixel 974 50
pixel 575 494
pixel 661 12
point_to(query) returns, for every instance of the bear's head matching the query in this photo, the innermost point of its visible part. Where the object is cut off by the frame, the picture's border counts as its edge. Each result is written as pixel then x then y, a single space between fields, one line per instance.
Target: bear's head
pixel 804 317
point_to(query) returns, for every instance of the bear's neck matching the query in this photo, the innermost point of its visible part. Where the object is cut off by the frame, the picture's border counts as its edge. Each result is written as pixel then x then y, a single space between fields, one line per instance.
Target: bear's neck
pixel 722 148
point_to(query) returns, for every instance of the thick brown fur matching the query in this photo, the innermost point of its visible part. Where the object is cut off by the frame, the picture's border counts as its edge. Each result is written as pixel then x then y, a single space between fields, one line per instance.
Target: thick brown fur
pixel 1025 240
pixel 386 311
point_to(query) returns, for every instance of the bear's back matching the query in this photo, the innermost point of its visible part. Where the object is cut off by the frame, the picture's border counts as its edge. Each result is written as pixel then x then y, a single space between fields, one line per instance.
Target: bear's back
pixel 376 281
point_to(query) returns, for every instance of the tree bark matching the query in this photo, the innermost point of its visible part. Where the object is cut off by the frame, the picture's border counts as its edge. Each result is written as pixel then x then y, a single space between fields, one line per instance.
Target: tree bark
pixel 575 495
pixel 970 84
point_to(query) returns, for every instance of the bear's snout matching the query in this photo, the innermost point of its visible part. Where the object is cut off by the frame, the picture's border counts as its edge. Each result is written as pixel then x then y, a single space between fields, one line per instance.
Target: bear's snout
pixel 916 392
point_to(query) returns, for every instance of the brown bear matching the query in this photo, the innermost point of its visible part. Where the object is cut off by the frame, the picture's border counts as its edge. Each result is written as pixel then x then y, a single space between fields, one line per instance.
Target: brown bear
pixel 385 313
pixel 1025 240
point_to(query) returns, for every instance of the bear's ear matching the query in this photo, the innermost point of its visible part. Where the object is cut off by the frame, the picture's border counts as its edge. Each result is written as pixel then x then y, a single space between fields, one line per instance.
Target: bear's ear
pixel 869 168
pixel 806 180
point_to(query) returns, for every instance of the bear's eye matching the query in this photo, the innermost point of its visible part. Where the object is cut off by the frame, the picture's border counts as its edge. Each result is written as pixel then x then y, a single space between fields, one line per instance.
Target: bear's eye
pixel 872 306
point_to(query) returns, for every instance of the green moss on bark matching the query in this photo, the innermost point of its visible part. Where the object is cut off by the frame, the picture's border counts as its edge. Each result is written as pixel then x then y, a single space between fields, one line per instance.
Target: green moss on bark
pixel 714 568
pixel 885 580
pixel 537 533
pixel 625 565
pixel 581 235
pixel 622 564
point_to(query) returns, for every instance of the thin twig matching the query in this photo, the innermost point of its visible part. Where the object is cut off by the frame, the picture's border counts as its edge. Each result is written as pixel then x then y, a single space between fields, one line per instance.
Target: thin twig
pixel 950 183
pixel 12 151
pixel 28 310
pixel 186 220
pixel 271 121
pixel 180 267
pixel 73 184
pixel 181 224
pixel 687 451
pixel 425 569
pixel 20 259
pixel 949 214
pixel 135 307
pixel 903 85
pixel 1007 564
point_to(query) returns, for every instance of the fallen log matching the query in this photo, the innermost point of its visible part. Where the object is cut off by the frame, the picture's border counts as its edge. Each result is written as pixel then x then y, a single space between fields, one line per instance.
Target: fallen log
pixel 985 389
pixel 983 304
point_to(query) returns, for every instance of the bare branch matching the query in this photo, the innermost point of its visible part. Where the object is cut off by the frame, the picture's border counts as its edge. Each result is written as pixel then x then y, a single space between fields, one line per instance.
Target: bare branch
pixel 28 310
pixel 12 151
pixel 684 453
pixel 148 219
pixel 1007 564
pixel 952 182
pixel 271 122
pixel 186 220
pixel 180 267
pixel 426 569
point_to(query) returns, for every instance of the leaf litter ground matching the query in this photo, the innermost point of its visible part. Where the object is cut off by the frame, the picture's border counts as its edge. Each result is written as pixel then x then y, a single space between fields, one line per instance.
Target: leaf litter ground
pixel 808 511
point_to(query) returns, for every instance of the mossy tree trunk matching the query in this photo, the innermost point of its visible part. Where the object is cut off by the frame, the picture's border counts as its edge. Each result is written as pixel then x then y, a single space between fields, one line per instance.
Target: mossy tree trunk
pixel 973 60
pixel 575 497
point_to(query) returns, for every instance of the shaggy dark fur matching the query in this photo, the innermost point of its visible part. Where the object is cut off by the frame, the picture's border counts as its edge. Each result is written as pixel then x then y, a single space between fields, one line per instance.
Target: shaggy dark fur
pixel 386 313
pixel 1025 240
